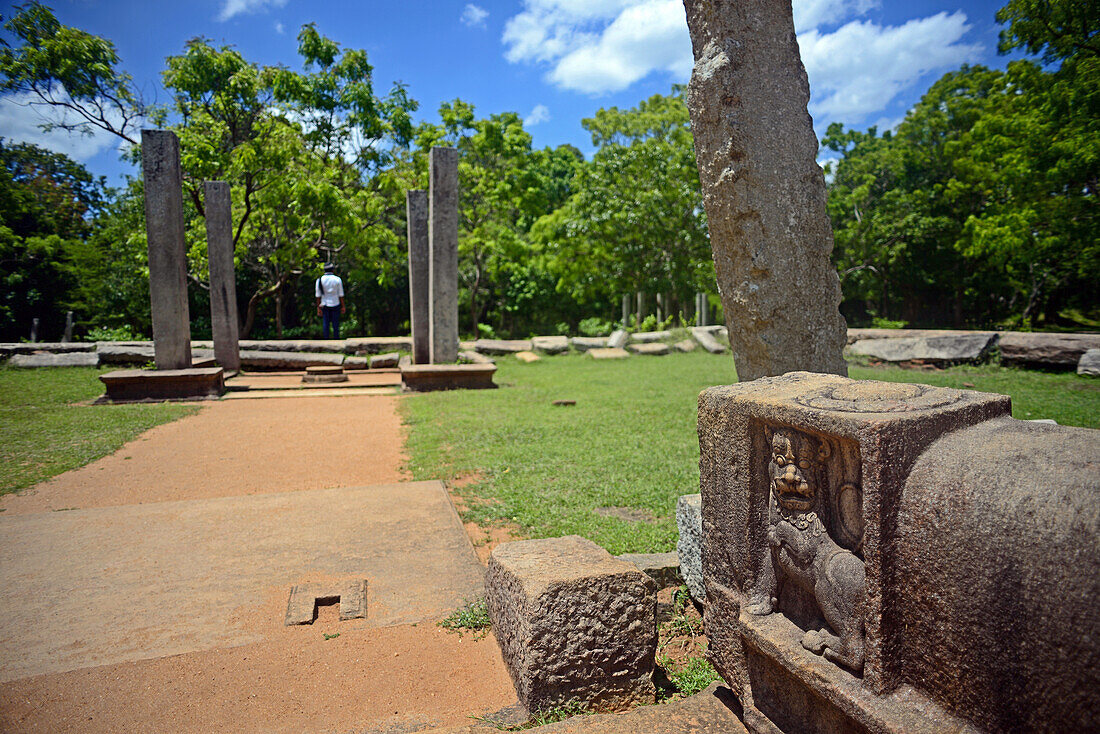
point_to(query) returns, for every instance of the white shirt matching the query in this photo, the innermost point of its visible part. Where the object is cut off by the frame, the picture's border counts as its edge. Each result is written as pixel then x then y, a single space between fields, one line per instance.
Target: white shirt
pixel 330 289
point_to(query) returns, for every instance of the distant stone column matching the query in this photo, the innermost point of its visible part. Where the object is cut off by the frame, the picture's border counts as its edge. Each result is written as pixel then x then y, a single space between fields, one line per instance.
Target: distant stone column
pixel 223 275
pixel 443 268
pixel 416 216
pixel 34 329
pixel 160 163
pixel 702 310
pixel 763 190
pixel 626 310
pixel 640 313
pixel 68 336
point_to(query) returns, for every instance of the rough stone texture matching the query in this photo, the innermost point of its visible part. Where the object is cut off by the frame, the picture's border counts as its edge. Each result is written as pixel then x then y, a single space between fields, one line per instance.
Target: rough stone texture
pixel 503 346
pixel 416 218
pixel 125 386
pixel 527 357
pixel 356 363
pixel 968 347
pixel 472 357
pixel 551 344
pixel 645 337
pixel 608 353
pixel 706 340
pixel 324 373
pixel 9 348
pixel 50 359
pixel 428 377
pixel 223 275
pixel 324 346
pixel 377 344
pixel 618 339
pixel 585 343
pixel 908 518
pixel 652 349
pixel 443 250
pixel 160 164
pixel 855 334
pixel 264 360
pixel 685 345
pixel 301 607
pixel 689 547
pixel 1055 350
pixel 1089 364
pixel 574 624
pixel 763 190
pixel 123 353
pixel 384 361
pixel 663 568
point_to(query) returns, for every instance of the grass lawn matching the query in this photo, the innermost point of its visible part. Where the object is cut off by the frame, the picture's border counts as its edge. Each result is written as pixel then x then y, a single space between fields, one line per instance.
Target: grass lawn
pixel 45 431
pixel 629 444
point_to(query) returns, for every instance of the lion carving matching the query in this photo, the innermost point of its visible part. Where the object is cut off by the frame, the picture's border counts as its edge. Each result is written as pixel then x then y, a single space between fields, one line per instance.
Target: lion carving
pixel 803 553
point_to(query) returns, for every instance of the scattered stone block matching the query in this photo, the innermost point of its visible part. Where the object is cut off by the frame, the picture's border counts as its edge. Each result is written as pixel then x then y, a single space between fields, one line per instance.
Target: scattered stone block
pixel 296 361
pixel 428 377
pixel 324 374
pixel 301 607
pixel 586 343
pixel 663 568
pixel 685 345
pixel 618 339
pixel 689 547
pixel 650 348
pixel 968 347
pixel 608 353
pixel 355 362
pixel 1046 350
pixel 51 359
pixel 127 386
pixel 384 361
pixel 123 353
pixel 551 344
pixel 9 348
pixel 503 346
pixel 1089 364
pixel 648 337
pixel 473 357
pixel 527 357
pixel 378 344
pixel 574 624
pixel 705 336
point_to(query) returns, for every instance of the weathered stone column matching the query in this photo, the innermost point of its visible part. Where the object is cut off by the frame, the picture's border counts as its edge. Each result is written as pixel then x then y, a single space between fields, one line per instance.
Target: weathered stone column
pixel 626 311
pixel 416 214
pixel 762 189
pixel 443 268
pixel 160 163
pixel 223 275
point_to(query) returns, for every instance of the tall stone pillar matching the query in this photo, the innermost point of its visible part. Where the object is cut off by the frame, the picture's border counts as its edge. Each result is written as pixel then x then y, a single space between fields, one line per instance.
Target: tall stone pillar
pixel 416 216
pixel 626 311
pixel 443 246
pixel 160 163
pixel 762 189
pixel 223 275
pixel 68 337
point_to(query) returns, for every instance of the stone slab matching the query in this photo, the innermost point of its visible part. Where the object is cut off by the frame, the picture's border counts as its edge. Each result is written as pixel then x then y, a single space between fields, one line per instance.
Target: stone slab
pixel 689 546
pixel 647 337
pixel 114 584
pixel 574 624
pixel 429 377
pixel 9 348
pixel 378 344
pixel 384 361
pixel 472 357
pixel 301 607
pixel 608 353
pixel 551 344
pixel 969 347
pixel 503 346
pixel 324 378
pixel 125 386
pixel 327 346
pixel 585 343
pixel 856 334
pixel 265 360
pixel 1047 350
pixel 653 349
pixel 527 357
pixel 1089 364
pixel 685 345
pixel 50 359
pixel 618 339
pixel 355 362
pixel 663 568
pixel 705 336
pixel 325 369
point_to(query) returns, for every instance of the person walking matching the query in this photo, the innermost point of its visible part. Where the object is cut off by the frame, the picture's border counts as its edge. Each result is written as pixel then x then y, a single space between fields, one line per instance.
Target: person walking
pixel 330 301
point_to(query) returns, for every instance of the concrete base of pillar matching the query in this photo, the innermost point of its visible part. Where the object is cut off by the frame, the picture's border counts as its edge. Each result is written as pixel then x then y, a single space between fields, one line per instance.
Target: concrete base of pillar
pixel 135 386
pixel 428 377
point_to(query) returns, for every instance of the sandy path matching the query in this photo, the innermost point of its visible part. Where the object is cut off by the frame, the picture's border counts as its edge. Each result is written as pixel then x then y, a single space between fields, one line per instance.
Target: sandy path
pixel 238 447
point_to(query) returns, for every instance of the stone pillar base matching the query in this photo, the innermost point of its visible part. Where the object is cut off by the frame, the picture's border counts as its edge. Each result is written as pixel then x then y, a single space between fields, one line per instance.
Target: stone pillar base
pixel 135 386
pixel 427 377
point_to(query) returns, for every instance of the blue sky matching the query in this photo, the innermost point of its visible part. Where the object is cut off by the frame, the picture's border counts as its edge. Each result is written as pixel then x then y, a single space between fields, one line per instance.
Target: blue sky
pixel 553 61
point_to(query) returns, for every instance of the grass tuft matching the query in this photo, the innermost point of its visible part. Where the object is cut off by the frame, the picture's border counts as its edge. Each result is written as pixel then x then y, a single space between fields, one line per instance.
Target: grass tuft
pixel 472 616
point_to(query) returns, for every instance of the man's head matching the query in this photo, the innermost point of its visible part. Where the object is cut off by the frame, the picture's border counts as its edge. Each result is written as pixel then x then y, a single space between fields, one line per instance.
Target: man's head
pixel 330 267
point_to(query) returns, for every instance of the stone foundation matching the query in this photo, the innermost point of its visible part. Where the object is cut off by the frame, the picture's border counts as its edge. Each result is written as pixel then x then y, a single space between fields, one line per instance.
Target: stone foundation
pixel 428 377
pixel 127 386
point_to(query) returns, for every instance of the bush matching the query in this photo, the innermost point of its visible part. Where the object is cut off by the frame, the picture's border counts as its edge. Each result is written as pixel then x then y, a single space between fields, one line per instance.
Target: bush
pixel 116 334
pixel 595 326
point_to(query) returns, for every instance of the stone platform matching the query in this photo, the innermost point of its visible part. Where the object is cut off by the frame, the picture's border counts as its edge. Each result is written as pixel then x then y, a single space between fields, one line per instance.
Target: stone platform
pixel 428 377
pixel 130 386
pixel 324 374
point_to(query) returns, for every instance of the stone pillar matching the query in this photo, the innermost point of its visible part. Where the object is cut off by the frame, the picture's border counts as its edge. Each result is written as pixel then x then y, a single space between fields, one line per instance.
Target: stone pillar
pixel 626 311
pixel 416 215
pixel 68 337
pixel 702 309
pixel 160 163
pixel 223 276
pixel 34 329
pixel 640 313
pixel 443 267
pixel 763 190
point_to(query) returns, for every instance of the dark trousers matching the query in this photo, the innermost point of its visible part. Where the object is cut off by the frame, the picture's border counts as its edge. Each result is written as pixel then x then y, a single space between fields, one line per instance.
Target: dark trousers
pixel 330 315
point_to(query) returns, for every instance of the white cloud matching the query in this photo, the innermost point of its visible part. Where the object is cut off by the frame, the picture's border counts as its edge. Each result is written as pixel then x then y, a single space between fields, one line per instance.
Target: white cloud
pixel 279 28
pixel 232 8
pixel 473 16
pixel 20 120
pixel 858 69
pixel 540 113
pixel 813 13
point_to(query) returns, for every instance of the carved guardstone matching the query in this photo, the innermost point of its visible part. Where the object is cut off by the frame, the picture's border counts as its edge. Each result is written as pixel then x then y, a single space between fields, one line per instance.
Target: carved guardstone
pixel 892 557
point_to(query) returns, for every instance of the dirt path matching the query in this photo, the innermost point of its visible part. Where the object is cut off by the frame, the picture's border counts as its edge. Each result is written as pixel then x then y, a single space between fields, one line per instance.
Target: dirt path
pixel 403 676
